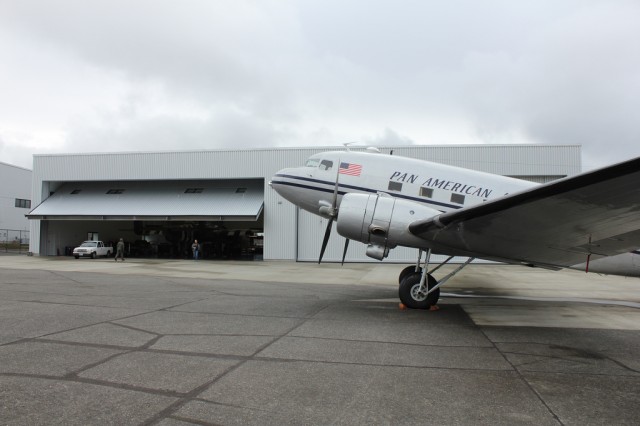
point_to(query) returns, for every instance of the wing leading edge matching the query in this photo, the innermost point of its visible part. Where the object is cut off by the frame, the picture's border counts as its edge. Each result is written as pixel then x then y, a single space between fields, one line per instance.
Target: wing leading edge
pixel 558 224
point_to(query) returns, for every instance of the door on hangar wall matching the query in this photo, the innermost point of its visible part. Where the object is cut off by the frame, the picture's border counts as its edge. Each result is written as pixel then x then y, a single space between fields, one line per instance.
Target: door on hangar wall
pixel 218 240
pixel 157 218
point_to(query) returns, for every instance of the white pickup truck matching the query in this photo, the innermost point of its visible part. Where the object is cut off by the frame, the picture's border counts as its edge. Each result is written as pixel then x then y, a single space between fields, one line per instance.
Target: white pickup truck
pixel 92 249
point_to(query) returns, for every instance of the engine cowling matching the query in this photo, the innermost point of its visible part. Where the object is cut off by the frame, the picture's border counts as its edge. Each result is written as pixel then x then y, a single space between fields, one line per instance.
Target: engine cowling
pixel 381 221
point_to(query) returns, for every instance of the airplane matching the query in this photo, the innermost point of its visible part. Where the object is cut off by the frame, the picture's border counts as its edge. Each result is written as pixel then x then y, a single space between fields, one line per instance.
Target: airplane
pixel 589 222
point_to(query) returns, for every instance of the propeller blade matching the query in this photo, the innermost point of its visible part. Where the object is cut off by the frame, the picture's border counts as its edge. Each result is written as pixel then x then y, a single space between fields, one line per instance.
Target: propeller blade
pixel 327 233
pixel 333 214
pixel 334 202
pixel 344 253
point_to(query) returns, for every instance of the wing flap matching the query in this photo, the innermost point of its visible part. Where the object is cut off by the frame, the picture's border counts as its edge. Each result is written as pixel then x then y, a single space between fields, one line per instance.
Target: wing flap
pixel 558 224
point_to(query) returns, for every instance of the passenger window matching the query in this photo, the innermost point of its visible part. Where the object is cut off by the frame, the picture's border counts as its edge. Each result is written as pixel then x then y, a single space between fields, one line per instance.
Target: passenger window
pixel 457 198
pixel 326 165
pixel 426 192
pixel 395 186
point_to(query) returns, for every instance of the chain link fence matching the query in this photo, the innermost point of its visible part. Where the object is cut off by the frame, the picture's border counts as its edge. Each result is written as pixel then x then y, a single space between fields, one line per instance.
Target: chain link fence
pixel 14 241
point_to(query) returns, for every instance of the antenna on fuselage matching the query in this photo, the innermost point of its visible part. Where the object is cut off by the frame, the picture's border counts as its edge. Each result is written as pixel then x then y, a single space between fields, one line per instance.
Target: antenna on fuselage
pixel 346 145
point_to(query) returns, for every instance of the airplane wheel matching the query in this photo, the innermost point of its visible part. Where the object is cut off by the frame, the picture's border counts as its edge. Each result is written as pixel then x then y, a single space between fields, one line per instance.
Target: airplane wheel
pixel 410 296
pixel 408 270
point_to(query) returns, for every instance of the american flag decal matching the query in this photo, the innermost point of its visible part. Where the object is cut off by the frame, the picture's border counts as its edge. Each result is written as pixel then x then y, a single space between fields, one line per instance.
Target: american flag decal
pixel 350 169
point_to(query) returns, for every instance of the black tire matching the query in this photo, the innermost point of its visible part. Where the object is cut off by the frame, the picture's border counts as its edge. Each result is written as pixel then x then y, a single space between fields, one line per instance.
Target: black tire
pixel 408 270
pixel 77 257
pixel 108 254
pixel 93 255
pixel 408 294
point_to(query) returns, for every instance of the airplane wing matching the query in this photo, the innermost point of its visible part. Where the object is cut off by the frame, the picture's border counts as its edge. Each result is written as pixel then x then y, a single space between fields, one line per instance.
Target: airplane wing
pixel 558 224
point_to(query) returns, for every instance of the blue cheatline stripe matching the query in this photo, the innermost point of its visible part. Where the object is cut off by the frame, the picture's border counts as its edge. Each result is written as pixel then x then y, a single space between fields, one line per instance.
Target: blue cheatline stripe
pixel 299 185
pixel 357 188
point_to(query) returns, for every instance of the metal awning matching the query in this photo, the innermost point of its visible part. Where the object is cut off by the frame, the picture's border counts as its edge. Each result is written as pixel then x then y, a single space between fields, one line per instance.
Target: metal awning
pixel 210 200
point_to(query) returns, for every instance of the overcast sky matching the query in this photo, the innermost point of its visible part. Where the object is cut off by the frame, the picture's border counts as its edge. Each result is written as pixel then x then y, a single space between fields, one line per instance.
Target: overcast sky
pixel 97 76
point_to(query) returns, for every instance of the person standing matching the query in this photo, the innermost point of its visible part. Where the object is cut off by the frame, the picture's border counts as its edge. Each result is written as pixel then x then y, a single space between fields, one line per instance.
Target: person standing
pixel 120 250
pixel 195 248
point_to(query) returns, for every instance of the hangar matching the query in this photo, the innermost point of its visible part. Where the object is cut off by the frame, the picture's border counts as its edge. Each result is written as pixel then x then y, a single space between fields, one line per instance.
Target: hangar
pixel 15 201
pixel 159 202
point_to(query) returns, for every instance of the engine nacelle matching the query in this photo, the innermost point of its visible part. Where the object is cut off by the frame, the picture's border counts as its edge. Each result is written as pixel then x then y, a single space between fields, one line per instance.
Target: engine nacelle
pixel 381 221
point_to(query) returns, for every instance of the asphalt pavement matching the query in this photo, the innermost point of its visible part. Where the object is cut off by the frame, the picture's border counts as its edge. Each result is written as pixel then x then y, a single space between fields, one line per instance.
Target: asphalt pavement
pixel 257 343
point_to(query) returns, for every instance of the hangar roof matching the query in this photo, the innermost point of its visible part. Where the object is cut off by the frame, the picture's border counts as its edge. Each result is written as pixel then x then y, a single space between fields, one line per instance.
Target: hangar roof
pixel 206 200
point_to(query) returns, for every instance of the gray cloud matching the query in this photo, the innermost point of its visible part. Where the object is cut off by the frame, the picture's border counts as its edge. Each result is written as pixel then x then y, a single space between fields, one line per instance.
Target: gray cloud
pixel 147 75
pixel 388 138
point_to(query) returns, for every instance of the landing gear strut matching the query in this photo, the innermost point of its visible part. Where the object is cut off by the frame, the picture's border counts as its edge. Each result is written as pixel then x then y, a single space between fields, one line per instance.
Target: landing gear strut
pixel 418 288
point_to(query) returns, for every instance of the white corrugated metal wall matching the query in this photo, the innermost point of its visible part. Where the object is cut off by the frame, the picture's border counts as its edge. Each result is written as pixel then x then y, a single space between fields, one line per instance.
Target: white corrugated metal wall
pixel 283 239
pixel 14 184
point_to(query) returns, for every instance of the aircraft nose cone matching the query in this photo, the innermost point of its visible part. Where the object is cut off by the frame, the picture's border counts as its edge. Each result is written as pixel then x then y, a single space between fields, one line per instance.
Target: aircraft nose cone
pixel 278 181
pixel 283 183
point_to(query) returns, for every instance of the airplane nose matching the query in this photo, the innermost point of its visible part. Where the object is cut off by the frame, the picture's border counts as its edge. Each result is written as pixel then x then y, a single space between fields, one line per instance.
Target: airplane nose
pixel 283 182
pixel 278 181
pixel 297 186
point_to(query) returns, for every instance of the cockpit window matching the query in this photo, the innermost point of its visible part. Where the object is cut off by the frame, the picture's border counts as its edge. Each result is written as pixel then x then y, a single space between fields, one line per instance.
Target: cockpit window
pixel 312 162
pixel 326 164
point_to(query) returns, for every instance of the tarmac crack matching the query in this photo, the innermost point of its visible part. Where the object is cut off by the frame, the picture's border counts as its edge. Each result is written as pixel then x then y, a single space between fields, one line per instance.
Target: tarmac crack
pixel 237 315
pixel 187 397
pixel 109 321
pixel 129 327
pixel 373 364
pixel 575 355
pixel 75 373
pixel 572 360
pixel 426 345
pixel 167 412
pixel 97 382
pixel 194 421
pixel 523 379
pixel 58 274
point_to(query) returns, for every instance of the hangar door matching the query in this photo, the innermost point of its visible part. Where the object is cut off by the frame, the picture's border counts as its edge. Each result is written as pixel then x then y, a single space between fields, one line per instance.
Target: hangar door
pixel 157 218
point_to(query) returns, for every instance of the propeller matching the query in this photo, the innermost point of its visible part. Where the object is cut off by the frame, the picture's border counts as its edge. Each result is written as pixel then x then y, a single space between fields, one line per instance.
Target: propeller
pixel 327 233
pixel 332 212
pixel 344 253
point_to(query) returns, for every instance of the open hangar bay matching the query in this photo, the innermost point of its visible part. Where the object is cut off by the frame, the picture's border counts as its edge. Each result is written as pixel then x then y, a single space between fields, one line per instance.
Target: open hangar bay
pixel 159 202
pixel 177 342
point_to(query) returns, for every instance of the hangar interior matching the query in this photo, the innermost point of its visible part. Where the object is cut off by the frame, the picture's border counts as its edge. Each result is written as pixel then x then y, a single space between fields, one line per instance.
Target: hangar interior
pixel 225 216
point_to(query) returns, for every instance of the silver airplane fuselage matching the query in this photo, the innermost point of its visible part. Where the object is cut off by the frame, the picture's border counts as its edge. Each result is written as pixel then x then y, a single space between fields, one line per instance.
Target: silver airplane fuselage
pixel 432 188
